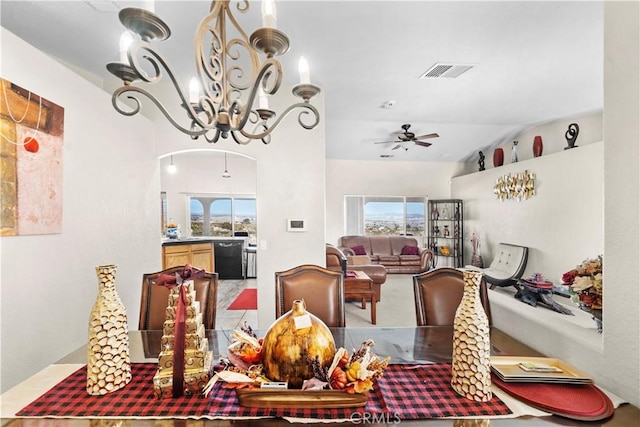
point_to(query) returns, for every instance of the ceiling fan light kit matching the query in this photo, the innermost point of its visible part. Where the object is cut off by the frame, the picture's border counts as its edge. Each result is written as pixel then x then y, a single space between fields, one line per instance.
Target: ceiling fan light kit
pixel 224 103
pixel 407 136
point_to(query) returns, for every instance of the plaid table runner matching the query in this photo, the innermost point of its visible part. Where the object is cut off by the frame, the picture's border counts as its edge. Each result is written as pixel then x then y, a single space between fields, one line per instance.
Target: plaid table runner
pixel 405 392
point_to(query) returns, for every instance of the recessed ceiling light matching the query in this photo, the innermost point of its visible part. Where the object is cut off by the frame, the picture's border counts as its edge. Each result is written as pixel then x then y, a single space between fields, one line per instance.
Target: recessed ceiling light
pixel 388 104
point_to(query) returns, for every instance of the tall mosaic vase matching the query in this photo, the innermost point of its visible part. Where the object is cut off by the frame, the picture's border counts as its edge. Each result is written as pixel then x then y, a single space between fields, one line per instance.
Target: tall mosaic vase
pixel 108 363
pixel 471 369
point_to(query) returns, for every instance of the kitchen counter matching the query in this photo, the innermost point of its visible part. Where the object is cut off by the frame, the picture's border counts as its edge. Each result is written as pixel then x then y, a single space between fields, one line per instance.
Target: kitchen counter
pixel 191 240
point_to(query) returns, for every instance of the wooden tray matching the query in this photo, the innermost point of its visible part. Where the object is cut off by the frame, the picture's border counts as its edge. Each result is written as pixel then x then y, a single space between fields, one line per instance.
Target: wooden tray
pixel 269 398
pixel 508 370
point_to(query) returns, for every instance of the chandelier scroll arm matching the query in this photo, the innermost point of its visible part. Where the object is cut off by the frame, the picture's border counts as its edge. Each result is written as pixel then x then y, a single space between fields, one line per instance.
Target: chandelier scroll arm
pixel 229 91
pixel 303 105
pixel 126 91
pixel 271 67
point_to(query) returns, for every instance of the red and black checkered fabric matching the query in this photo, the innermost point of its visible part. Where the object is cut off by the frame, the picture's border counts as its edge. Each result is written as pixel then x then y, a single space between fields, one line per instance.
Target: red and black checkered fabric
pixel 405 392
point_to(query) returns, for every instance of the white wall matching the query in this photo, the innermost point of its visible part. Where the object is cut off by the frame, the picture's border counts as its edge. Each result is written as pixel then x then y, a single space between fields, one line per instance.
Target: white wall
pixel 48 283
pixel 290 174
pixel 382 178
pixel 620 366
pixel 553 139
pixel 570 219
pixel 562 224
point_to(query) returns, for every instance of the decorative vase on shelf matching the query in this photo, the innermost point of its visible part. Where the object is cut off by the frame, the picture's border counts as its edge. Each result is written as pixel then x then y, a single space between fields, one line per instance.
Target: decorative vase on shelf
pixel 108 363
pixel 476 260
pixel 498 157
pixel 445 233
pixel 537 146
pixel 303 332
pixel 445 213
pixel 434 213
pixel 471 358
pixel 596 313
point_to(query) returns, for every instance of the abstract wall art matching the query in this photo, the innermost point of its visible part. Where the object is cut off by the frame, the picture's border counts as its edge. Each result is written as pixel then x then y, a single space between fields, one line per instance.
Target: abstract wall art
pixel 31 159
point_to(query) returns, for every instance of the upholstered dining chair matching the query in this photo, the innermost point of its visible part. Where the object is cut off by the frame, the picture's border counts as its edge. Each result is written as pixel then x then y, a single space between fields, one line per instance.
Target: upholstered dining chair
pixel 155 298
pixel 437 294
pixel 321 289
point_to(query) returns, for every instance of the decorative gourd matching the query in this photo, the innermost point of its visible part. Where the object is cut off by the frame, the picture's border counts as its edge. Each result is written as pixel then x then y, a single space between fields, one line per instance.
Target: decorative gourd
pixel 292 342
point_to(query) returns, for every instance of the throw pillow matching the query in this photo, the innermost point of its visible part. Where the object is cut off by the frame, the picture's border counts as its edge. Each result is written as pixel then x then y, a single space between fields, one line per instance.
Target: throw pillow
pixel 409 250
pixel 359 250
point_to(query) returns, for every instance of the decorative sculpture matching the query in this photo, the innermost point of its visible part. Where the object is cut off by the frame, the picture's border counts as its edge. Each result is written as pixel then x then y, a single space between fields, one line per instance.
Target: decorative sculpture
pixel 514 152
pixel 571 135
pixel 532 293
pixel 481 161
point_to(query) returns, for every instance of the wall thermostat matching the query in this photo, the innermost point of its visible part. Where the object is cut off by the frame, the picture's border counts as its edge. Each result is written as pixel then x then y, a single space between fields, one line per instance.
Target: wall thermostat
pixel 296 225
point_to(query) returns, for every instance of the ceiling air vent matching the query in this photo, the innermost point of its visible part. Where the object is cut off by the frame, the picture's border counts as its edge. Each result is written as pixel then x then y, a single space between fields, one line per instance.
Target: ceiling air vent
pixel 446 71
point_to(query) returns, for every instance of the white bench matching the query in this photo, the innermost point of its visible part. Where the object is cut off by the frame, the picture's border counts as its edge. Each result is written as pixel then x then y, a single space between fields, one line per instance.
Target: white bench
pixel 507 266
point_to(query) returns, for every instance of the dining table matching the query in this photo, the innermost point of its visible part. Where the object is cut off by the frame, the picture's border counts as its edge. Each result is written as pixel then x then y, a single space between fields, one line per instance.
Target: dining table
pixel 410 349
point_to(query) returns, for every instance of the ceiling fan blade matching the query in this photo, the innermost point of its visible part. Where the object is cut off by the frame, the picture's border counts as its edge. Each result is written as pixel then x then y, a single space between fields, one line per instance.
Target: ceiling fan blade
pixel 427 136
pixel 422 143
pixel 396 147
pixel 385 142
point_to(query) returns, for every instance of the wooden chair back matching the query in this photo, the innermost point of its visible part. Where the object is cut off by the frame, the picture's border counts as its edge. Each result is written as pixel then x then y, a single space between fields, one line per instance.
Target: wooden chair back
pixel 321 289
pixel 437 295
pixel 155 298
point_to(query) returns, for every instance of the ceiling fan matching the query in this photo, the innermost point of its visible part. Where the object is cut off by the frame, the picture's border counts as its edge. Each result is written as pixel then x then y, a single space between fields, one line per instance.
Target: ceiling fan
pixel 405 136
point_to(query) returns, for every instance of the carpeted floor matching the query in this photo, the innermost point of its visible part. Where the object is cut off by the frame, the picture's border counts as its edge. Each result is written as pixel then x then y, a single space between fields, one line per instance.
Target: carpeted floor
pixel 396 307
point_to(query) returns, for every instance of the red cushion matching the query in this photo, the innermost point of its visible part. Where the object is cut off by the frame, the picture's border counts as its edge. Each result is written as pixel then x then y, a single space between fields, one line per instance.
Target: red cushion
pixel 409 250
pixel 359 250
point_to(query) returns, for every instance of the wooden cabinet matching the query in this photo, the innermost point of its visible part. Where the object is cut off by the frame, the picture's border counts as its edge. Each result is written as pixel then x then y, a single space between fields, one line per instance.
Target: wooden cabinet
pixel 199 255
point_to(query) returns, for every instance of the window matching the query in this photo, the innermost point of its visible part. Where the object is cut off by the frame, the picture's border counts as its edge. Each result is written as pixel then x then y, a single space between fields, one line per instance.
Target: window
pixel 384 215
pixel 223 216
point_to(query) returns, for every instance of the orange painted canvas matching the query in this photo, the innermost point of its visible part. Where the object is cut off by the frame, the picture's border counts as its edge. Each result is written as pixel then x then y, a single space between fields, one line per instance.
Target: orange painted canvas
pixel 31 159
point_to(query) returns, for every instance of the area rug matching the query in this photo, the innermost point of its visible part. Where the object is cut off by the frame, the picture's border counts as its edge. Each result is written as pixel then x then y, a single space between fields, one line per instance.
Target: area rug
pixel 247 300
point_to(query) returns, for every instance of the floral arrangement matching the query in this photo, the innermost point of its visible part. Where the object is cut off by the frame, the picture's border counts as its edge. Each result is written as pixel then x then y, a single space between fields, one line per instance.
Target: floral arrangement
pixel 585 283
pixel 350 373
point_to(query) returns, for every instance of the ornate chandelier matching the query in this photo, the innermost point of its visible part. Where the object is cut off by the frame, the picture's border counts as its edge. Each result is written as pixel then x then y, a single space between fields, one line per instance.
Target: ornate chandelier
pixel 230 94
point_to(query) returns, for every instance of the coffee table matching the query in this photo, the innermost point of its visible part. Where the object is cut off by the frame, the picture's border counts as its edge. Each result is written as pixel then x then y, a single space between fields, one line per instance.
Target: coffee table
pixel 361 287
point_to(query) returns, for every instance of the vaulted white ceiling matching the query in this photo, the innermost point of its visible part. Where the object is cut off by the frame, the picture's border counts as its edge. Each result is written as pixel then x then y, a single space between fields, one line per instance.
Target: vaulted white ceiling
pixel 533 62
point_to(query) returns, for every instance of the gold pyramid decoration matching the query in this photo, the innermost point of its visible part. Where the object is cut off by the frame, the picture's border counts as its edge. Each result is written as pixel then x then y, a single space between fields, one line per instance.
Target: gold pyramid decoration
pixel 197 357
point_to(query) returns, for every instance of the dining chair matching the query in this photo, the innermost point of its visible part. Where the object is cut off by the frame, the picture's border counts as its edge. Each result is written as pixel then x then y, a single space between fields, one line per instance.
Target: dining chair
pixel 155 298
pixel 437 295
pixel 321 289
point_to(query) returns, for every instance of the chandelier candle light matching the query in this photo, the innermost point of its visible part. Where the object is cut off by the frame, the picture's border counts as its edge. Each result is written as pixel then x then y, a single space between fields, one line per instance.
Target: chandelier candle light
pixel 225 99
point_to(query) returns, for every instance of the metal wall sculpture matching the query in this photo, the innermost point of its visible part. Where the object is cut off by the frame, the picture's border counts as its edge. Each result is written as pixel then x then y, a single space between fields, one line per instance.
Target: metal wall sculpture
pixel 520 186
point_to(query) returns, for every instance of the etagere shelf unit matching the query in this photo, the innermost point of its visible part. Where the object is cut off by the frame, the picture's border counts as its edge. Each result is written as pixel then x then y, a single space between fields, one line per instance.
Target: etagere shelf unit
pixel 445 232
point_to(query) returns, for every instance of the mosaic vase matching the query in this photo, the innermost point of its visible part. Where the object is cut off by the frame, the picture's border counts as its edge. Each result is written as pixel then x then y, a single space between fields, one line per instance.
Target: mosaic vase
pixel 108 363
pixel 471 363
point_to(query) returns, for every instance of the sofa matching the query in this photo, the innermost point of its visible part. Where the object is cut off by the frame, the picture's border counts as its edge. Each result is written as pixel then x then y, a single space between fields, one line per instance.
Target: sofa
pixel 338 261
pixel 398 254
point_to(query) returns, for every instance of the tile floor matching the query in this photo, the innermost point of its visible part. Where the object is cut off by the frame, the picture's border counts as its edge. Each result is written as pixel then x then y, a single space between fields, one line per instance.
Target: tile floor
pixel 394 309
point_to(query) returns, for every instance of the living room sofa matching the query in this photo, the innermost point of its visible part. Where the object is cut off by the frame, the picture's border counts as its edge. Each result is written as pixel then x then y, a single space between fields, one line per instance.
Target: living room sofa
pixel 398 254
pixel 338 261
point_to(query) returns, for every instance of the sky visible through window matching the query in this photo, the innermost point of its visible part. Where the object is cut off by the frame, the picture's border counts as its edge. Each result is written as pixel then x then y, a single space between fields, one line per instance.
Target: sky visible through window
pixel 244 207
pixel 393 208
